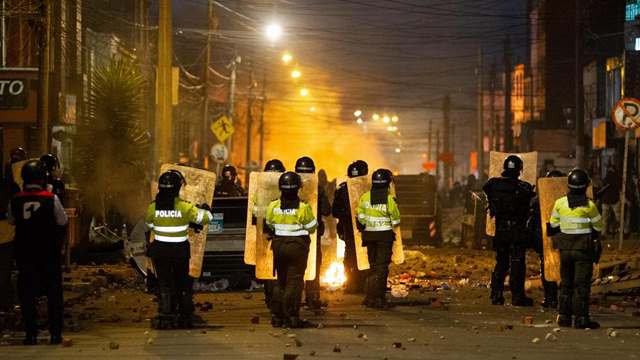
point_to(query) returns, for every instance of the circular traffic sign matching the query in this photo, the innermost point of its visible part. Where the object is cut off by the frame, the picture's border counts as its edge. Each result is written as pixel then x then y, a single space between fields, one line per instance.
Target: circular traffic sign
pixel 219 153
pixel 626 113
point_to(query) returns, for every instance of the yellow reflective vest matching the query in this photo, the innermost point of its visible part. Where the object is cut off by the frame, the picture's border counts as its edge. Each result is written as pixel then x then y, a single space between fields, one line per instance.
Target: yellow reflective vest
pixel 291 222
pixel 173 225
pixel 380 217
pixel 576 221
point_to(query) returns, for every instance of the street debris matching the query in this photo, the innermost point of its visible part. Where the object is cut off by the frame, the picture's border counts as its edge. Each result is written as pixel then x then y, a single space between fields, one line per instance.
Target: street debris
pixel 290 356
pixel 527 320
pixel 336 348
pixel 114 345
pixel 255 320
pixel 397 345
pixel 535 340
pixel 550 337
pixel 67 342
pixel 612 333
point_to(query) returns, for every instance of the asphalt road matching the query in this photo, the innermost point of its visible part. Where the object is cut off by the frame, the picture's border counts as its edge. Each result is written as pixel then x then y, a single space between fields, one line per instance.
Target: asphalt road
pixel 459 325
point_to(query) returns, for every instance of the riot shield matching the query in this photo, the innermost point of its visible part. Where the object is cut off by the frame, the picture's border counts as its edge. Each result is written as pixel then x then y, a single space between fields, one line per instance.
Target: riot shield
pixel 16 170
pixel 529 174
pixel 356 188
pixel 263 190
pixel 550 190
pixel 199 190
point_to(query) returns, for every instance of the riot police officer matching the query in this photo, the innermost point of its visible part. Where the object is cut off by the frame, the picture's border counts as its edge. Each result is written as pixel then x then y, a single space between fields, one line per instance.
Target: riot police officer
pixel 37 215
pixel 575 223
pixel 273 165
pixel 229 185
pixel 342 211
pixel 291 221
pixel 377 214
pixel 305 165
pixel 550 288
pixel 54 183
pixel 169 217
pixel 509 203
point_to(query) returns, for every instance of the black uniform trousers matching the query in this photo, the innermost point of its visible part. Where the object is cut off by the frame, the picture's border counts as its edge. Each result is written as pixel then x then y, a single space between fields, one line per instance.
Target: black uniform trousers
pixel 7 295
pixel 171 261
pixel 290 255
pixel 35 277
pixel 510 246
pixel 379 254
pixel 576 268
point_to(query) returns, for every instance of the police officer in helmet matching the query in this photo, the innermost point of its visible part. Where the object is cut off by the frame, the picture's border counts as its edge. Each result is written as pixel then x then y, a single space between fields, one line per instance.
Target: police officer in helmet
pixel 273 165
pixel 575 223
pixel 291 221
pixel 229 185
pixel 37 215
pixel 54 183
pixel 305 165
pixel 169 217
pixel 509 203
pixel 342 211
pixel 377 214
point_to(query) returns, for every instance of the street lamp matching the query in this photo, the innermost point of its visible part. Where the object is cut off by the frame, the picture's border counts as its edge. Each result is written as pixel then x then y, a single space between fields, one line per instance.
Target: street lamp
pixel 312 109
pixel 375 117
pixel 398 150
pixel 273 32
pixel 304 92
pixel 394 118
pixel 359 121
pixel 287 57
pixel 386 119
pixel 296 74
pixel 357 113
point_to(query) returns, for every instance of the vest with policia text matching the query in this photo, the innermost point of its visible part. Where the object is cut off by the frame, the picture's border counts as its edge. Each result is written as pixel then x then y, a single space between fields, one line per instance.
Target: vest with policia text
pixel 379 217
pixel 291 222
pixel 576 224
pixel 173 225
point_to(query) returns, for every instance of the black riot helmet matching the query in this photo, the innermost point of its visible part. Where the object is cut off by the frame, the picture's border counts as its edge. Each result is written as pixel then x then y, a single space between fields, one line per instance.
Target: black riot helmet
pixel 50 161
pixel 183 180
pixel 274 165
pixel 305 165
pixel 34 172
pixel 289 181
pixel 229 171
pixel 554 173
pixel 578 180
pixel 357 168
pixel 17 154
pixel 512 166
pixel 170 181
pixel 381 178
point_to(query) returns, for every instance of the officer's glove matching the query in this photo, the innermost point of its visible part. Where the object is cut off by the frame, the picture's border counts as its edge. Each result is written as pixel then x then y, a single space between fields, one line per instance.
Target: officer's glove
pixel 359 226
pixel 551 231
pixel 204 206
pixel 267 230
pixel 196 227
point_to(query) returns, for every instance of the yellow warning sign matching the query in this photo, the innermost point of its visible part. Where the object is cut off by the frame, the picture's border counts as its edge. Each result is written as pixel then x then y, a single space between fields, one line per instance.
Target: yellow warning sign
pixel 222 128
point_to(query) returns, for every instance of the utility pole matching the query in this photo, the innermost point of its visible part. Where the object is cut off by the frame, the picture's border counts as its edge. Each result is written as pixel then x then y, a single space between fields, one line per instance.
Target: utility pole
pixel 204 133
pixel 437 155
pixel 480 120
pixel 262 104
pixel 446 124
pixel 232 91
pixel 249 125
pixel 163 145
pixel 508 133
pixel 429 141
pixel 579 89
pixel 44 46
pixel 492 105
pixel 453 151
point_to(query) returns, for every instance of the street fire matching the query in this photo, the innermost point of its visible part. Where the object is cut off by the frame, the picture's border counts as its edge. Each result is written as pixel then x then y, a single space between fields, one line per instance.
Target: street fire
pixel 334 277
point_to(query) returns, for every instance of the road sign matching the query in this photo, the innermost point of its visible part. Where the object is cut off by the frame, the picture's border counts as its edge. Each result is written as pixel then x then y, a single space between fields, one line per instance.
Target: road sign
pixel 428 165
pixel 222 128
pixel 626 113
pixel 219 153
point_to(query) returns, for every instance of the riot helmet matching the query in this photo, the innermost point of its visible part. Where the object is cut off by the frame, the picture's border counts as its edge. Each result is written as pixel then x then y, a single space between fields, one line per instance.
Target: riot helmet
pixel 34 172
pixel 305 165
pixel 578 180
pixel 381 178
pixel 229 172
pixel 183 180
pixel 554 173
pixel 170 181
pixel 274 165
pixel 17 154
pixel 289 181
pixel 51 162
pixel 357 168
pixel 512 166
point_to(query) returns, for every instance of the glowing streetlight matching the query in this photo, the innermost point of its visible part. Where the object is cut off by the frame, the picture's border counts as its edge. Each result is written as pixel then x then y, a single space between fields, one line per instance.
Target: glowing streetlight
pixel 273 32
pixel 312 109
pixel 287 57
pixel 375 117
pixel 398 150
pixel 296 74
pixel 394 118
pixel 357 113
pixel 392 128
pixel 386 119
pixel 304 92
pixel 359 121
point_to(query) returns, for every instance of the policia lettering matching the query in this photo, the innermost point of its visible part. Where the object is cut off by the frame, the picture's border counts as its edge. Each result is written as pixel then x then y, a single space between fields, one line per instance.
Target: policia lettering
pixel 291 221
pixel 510 203
pixel 576 223
pixel 170 217
pixel 377 214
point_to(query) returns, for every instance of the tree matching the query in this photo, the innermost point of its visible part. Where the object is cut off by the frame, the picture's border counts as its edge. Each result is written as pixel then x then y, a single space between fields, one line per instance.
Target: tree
pixel 112 144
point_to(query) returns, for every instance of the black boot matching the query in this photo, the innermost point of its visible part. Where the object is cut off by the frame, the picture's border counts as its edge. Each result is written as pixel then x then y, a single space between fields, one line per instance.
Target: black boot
pixel 56 339
pixel 186 320
pixel 30 339
pixel 583 322
pixel 276 322
pixel 564 320
pixel 521 300
pixel 295 322
pixel 497 298
pixel 165 318
pixel 550 295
